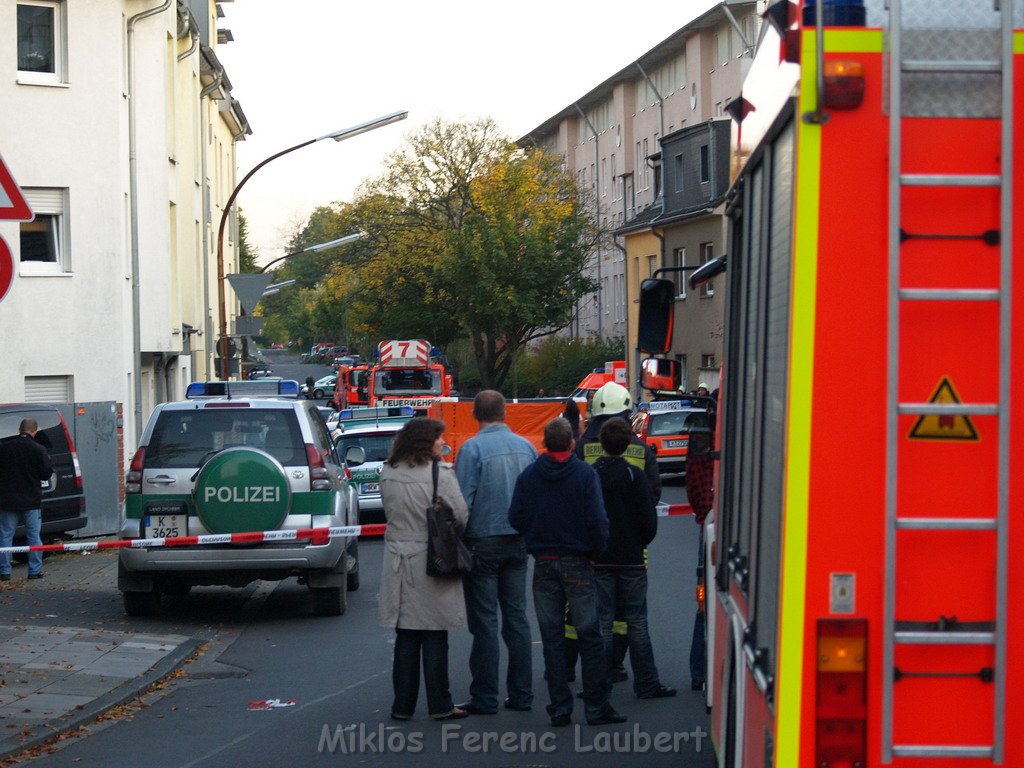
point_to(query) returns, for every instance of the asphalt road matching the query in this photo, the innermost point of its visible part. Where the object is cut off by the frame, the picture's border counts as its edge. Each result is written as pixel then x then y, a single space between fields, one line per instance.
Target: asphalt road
pixel 285 363
pixel 266 645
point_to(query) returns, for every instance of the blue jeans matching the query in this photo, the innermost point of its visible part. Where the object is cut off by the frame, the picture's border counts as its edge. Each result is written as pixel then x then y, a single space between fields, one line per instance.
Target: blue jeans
pixel 8 524
pixel 555 583
pixel 622 595
pixel 498 579
pixel 698 649
pixel 410 644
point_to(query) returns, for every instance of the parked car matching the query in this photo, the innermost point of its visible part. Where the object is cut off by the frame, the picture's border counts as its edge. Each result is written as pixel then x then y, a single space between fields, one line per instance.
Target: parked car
pixel 238 457
pixel 373 430
pixel 321 387
pixel 666 425
pixel 63 507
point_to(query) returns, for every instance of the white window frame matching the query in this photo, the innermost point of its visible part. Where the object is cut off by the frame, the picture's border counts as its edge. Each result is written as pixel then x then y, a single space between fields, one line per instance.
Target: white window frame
pixel 707 253
pixel 679 278
pixel 59 76
pixel 50 202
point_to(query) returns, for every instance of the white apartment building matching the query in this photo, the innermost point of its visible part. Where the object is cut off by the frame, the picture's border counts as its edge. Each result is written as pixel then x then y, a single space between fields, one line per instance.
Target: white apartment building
pixel 119 126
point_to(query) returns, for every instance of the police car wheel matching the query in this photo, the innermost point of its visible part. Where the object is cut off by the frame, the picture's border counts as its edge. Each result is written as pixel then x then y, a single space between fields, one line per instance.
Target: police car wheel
pixel 141 603
pixel 328 601
pixel 318 394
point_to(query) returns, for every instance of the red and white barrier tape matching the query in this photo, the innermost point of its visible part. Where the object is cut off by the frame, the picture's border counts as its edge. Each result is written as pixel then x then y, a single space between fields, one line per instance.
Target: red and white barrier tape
pixel 315 535
pixel 664 509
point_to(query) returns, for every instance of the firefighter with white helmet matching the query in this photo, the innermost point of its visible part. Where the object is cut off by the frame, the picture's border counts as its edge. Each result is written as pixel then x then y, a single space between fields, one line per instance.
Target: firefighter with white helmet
pixel 614 400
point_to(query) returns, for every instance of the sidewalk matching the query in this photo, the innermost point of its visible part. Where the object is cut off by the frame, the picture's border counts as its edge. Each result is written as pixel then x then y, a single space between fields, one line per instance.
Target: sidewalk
pixel 54 677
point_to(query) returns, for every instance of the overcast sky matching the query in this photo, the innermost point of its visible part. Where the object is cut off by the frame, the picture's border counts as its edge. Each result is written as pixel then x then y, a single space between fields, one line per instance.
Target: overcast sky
pixel 304 68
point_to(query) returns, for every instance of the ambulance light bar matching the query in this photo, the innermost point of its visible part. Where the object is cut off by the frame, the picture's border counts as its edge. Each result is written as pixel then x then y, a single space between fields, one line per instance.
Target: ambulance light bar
pixel 255 388
pixel 353 414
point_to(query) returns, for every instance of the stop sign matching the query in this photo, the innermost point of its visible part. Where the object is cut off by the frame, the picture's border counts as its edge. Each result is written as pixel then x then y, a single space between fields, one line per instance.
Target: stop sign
pixel 6 269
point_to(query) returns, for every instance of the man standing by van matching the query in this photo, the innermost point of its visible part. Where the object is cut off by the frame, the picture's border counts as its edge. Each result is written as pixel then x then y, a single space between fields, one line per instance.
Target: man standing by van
pixel 24 465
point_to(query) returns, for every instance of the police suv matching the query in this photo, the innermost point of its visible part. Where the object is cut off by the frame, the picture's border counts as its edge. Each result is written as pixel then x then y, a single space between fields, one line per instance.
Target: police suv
pixel 373 430
pixel 235 457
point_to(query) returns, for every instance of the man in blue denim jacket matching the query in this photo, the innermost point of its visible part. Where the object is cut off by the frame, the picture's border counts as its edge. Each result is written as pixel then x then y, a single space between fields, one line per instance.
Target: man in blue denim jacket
pixel 487 467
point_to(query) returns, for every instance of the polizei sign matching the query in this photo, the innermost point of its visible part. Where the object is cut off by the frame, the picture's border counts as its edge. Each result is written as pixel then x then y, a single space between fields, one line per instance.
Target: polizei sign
pixel 242 489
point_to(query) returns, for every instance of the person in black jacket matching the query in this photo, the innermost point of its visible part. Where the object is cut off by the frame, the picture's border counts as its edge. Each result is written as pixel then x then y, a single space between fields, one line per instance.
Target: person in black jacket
pixel 24 465
pixel 620 571
pixel 557 507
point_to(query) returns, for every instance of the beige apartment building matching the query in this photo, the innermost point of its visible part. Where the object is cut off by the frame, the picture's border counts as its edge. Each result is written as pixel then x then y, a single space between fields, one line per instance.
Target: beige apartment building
pixel 669 103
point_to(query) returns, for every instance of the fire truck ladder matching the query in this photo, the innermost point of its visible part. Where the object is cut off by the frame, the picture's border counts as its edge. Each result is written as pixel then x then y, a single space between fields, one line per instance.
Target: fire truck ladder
pixel 909 70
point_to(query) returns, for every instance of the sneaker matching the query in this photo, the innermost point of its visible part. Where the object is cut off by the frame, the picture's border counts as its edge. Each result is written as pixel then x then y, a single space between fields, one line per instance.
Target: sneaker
pixel 398 716
pixel 560 721
pixel 509 704
pixel 456 714
pixel 610 717
pixel 696 685
pixel 35 575
pixel 619 674
pixel 661 692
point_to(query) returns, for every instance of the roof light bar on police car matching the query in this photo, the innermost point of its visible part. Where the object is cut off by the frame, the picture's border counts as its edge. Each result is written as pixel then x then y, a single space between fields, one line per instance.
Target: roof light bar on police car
pixel 256 388
pixel 353 414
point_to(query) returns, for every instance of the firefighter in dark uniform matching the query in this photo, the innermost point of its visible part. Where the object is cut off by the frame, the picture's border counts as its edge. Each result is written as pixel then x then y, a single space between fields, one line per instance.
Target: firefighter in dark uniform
pixel 614 400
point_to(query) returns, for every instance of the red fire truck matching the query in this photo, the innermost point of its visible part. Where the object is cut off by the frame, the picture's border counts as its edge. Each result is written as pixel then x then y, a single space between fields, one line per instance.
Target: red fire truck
pixel 408 373
pixel 869 457
pixel 352 387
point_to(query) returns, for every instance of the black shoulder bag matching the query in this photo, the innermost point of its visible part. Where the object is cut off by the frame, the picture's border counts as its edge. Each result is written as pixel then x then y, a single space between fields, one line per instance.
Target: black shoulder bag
pixel 447 555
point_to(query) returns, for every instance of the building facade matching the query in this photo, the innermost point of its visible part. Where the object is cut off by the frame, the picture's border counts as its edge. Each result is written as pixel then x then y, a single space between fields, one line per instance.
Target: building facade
pixel 120 128
pixel 611 139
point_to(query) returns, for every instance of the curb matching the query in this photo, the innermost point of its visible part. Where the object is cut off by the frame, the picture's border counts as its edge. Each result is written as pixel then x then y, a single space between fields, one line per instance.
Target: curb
pixel 51 729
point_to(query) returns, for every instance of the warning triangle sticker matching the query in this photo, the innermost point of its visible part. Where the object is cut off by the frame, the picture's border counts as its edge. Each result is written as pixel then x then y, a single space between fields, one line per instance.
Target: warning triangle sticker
pixel 933 426
pixel 13 206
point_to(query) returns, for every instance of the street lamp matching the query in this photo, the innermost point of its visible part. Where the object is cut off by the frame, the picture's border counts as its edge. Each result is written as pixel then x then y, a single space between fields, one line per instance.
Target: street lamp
pixel 341 135
pixel 318 247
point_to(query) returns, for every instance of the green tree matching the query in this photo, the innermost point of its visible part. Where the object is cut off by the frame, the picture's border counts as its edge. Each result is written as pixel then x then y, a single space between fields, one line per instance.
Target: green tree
pixel 247 253
pixel 483 238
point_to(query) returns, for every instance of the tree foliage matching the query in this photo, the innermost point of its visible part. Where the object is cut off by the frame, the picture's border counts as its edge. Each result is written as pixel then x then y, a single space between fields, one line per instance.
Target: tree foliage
pixel 247 253
pixel 467 237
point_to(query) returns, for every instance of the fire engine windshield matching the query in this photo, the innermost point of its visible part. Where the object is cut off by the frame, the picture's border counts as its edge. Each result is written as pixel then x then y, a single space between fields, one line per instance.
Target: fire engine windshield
pixel 408 381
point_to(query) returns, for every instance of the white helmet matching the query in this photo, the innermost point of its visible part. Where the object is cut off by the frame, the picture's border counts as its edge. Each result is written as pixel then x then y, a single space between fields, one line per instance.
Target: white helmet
pixel 611 398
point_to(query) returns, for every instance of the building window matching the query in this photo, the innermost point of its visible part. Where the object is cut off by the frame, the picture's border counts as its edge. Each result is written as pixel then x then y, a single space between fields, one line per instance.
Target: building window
pixel 679 278
pixel 677 169
pixel 604 176
pixel 707 253
pixel 616 193
pixel 708 361
pixel 705 164
pixel 646 176
pixel 43 241
pixel 42 44
pixel 652 265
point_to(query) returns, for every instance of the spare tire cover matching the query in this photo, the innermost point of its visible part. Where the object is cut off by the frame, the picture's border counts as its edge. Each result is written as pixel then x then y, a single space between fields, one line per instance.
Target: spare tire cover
pixel 242 489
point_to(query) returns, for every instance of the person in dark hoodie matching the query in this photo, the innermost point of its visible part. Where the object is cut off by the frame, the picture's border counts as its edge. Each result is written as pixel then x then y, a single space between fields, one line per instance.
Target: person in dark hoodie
pixel 24 464
pixel 557 506
pixel 609 401
pixel 620 571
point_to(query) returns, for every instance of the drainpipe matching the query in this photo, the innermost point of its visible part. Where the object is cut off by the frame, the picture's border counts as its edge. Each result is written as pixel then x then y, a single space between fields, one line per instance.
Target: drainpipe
pixel 193 30
pixel 661 127
pixel 133 195
pixel 207 221
pixel 597 218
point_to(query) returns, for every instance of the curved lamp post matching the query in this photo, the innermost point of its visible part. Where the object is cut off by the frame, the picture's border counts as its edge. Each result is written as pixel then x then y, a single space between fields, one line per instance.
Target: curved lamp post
pixel 344 133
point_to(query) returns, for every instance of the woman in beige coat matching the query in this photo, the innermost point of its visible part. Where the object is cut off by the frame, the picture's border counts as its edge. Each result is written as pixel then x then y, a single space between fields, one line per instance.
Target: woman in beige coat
pixel 421 608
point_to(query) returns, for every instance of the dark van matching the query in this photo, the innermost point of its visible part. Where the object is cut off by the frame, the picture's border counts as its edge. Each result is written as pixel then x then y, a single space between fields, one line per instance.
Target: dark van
pixel 63 497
